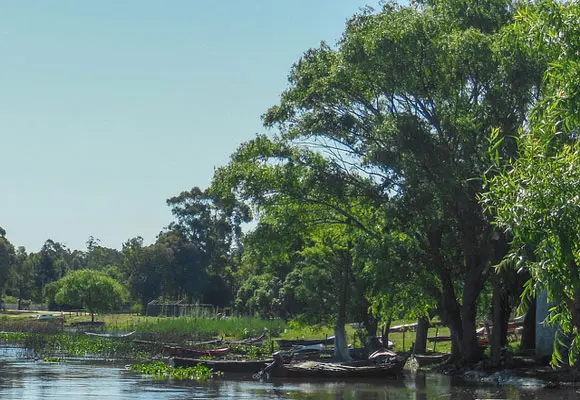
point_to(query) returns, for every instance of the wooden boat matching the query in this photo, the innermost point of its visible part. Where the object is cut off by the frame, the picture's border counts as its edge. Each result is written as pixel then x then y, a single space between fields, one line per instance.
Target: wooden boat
pixel 430 359
pixel 178 351
pixel 110 335
pixel 229 366
pixel 210 342
pixel 403 328
pixel 444 338
pixel 288 343
pixel 259 340
pixel 367 369
pixel 302 353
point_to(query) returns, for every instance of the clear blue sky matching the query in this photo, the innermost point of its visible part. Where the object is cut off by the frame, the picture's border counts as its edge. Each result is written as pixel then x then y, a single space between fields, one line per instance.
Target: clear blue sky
pixel 107 108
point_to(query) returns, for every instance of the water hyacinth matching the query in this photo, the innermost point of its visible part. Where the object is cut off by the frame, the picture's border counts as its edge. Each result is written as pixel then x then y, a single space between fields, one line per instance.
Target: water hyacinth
pixel 161 370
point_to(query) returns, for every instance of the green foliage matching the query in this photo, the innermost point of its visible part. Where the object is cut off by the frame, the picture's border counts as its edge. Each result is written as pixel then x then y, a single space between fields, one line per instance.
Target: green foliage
pixel 92 290
pixel 7 259
pixel 385 136
pixel 71 345
pixel 49 296
pixel 161 370
pixel 236 327
pixel 137 309
pixel 535 197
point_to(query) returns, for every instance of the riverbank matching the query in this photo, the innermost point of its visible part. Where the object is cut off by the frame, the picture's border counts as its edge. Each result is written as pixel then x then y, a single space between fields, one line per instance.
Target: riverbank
pixel 520 371
pixel 46 338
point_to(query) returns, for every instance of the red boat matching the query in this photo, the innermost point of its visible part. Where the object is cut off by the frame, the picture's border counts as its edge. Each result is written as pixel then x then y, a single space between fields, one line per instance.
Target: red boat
pixel 176 351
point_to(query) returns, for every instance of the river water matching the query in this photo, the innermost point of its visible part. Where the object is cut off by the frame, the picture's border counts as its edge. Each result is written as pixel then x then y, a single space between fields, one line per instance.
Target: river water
pixel 25 379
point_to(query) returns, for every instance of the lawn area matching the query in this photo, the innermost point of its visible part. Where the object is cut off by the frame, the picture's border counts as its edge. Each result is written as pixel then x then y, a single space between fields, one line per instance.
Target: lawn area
pixel 402 341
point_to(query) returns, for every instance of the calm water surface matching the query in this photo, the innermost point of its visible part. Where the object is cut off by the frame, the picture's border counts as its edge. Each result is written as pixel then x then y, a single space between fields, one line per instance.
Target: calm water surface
pixel 23 379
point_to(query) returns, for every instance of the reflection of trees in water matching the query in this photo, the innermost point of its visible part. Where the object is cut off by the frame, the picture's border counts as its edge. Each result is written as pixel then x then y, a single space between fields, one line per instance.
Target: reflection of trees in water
pixel 420 386
pixel 320 390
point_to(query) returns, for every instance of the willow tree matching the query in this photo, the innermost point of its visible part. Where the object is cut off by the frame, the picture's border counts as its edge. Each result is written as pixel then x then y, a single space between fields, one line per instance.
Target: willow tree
pixel 535 197
pixel 92 290
pixel 408 98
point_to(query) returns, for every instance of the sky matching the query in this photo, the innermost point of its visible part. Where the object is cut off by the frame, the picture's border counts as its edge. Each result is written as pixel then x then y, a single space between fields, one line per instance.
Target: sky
pixel 108 108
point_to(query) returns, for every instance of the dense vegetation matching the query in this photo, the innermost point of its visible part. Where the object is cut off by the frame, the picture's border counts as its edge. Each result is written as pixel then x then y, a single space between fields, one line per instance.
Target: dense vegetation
pixel 426 165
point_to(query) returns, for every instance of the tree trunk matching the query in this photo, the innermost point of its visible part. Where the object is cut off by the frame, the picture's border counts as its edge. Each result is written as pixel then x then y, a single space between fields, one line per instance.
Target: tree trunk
pixel 92 317
pixel 500 318
pixel 340 339
pixel 470 351
pixel 385 332
pixel 370 323
pixel 421 336
pixel 528 341
pixel 450 314
pixel 449 308
pixel 474 280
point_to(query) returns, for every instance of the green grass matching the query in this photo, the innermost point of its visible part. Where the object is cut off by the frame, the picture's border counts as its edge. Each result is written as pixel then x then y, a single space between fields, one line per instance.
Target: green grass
pixel 402 341
pixel 238 328
pixel 52 346
pixel 185 328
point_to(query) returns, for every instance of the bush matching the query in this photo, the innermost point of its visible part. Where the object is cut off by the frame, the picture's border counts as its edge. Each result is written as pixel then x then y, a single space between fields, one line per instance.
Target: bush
pixel 9 299
pixel 136 309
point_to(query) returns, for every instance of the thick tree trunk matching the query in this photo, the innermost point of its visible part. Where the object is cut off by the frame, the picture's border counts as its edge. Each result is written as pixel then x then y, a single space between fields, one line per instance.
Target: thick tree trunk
pixel 449 308
pixel 385 332
pixel 370 323
pixel 421 335
pixel 469 346
pixel 340 339
pixel 500 314
pixel 528 341
pixel 474 280
pixel 450 313
pixel 470 351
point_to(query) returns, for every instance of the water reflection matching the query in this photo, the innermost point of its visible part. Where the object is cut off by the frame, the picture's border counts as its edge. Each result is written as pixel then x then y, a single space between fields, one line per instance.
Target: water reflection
pixel 26 379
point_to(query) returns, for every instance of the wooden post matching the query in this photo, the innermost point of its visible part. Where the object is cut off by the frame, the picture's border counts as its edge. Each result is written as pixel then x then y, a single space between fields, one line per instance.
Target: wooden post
pixel 435 341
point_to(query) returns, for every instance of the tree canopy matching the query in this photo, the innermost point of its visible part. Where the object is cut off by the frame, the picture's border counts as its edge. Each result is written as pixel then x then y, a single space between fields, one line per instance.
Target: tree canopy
pixel 92 290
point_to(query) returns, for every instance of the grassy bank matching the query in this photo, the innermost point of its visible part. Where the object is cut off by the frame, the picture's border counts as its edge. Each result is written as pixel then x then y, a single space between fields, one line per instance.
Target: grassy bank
pixel 185 331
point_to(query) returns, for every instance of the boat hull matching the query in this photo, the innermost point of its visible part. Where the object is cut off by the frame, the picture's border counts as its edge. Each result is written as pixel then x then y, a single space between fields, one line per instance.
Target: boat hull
pixel 287 343
pixel 226 366
pixel 367 369
pixel 176 351
pixel 430 359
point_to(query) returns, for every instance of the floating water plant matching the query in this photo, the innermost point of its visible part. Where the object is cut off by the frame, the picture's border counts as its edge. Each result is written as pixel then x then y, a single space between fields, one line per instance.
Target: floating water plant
pixel 161 370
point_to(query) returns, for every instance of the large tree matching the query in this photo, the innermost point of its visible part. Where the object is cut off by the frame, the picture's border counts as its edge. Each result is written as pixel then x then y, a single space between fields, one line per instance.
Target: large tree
pixel 92 290
pixel 400 112
pixel 535 196
pixel 7 259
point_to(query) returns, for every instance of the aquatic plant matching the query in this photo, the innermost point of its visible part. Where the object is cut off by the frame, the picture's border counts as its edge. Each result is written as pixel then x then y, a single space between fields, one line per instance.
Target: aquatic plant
pixel 75 345
pixel 161 370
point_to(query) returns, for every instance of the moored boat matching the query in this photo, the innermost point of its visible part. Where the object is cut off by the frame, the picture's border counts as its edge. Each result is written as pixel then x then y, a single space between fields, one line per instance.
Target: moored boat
pixel 229 366
pixel 177 351
pixel 110 335
pixel 256 341
pixel 368 369
pixel 288 343
pixel 430 359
